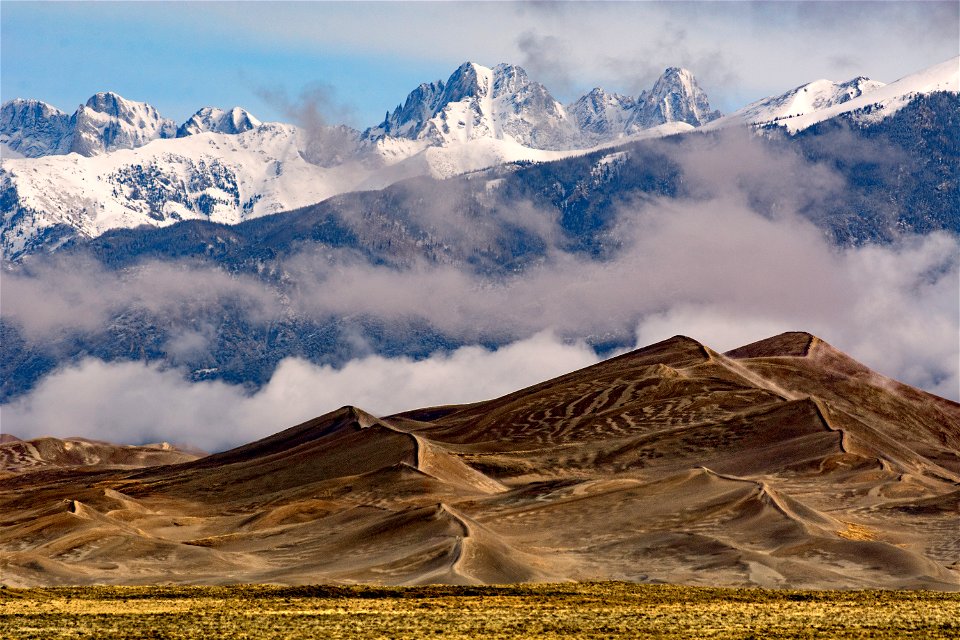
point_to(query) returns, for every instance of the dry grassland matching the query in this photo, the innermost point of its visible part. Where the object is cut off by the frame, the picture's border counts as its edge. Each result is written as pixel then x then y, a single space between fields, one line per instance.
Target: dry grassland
pixel 592 610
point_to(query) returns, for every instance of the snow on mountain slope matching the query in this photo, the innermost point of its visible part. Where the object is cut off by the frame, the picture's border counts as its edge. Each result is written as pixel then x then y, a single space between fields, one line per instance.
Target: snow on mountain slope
pixel 822 99
pixel 805 99
pixel 214 176
pixel 108 122
pixel 214 120
pixel 401 158
pixel 887 100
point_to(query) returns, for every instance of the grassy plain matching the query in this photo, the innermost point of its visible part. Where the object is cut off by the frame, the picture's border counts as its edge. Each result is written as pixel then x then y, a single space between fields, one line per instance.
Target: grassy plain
pixel 571 610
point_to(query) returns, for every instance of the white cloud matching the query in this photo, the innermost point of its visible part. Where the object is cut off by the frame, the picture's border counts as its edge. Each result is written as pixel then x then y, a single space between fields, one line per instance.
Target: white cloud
pixel 716 271
pixel 134 403
pixel 66 294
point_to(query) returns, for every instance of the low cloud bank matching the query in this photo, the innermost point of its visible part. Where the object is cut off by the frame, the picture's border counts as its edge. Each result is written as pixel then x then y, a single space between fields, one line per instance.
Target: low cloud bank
pixel 131 402
pixel 718 272
pixel 734 280
pixel 52 297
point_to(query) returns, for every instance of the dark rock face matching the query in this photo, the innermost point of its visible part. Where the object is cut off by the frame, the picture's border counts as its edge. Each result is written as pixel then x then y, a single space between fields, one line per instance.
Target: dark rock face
pixel 33 128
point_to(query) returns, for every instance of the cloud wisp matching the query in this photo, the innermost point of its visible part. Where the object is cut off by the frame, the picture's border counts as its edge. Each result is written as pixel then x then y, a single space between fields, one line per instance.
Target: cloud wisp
pixel 892 306
pixel 318 115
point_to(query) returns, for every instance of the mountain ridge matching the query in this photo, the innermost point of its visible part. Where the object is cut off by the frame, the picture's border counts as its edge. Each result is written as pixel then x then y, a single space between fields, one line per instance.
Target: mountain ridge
pixel 443 128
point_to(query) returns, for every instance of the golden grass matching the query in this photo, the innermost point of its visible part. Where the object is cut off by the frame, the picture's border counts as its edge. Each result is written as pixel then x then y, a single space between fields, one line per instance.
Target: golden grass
pixel 583 610
pixel 856 532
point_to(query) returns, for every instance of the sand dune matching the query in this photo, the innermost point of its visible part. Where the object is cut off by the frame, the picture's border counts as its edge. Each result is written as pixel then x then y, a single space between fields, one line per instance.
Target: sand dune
pixel 781 463
pixel 40 453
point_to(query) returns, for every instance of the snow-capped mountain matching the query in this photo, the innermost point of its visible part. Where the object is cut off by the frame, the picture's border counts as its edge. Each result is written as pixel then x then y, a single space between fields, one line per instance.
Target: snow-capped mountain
pixel 863 99
pixel 675 97
pixel 805 99
pixel 116 163
pixel 601 115
pixel 502 103
pixel 220 177
pixel 477 102
pixel 212 119
pixel 31 128
pixel 108 122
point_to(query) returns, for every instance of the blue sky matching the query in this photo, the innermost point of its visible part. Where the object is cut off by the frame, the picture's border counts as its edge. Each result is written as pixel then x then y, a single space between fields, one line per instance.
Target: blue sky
pixel 180 56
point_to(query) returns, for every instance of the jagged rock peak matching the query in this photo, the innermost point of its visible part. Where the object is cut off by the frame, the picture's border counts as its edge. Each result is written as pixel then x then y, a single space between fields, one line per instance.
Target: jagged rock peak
pixel 117 106
pixel 469 80
pixel 109 121
pixel 416 110
pixel 601 115
pixel 509 78
pixel 675 97
pixel 23 105
pixel 212 119
pixel 480 102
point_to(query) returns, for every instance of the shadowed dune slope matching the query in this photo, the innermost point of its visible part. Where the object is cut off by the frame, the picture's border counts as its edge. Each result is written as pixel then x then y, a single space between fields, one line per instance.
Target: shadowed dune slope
pixel 780 463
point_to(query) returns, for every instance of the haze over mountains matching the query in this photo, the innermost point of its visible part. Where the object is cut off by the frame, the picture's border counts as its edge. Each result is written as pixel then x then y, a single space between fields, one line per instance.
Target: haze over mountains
pixel 780 463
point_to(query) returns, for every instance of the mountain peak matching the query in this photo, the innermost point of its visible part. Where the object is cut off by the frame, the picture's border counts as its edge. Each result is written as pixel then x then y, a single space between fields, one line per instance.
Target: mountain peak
pixel 475 68
pixel 216 120
pixel 670 72
pixel 675 97
pixel 109 121
pixel 115 105
pixel 104 101
pixel 466 81
pixel 24 103
pixel 601 115
pixel 480 102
